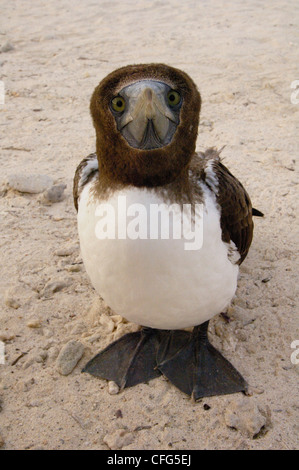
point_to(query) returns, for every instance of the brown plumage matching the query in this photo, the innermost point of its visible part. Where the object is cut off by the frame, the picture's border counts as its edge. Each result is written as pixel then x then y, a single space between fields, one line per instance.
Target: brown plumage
pixel 234 203
pixel 118 162
pixel 78 183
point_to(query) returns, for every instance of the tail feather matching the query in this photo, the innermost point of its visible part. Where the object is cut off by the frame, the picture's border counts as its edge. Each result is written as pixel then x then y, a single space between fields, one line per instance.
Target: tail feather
pixel 257 213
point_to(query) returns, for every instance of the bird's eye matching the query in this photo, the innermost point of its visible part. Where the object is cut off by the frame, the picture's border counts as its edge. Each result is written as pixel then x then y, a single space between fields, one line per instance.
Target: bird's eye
pixel 173 98
pixel 118 104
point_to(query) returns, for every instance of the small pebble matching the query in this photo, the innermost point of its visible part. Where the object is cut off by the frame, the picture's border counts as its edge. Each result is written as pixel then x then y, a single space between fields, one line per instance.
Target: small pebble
pixel 69 357
pixel 107 323
pixel 34 323
pixel 1 441
pixel 113 388
pixel 118 439
pixel 246 417
pixel 7 47
pixel 53 194
pixel 32 184
pixel 66 251
pixel 53 353
pixel 6 336
pixel 254 391
pixel 54 286
pixel 74 268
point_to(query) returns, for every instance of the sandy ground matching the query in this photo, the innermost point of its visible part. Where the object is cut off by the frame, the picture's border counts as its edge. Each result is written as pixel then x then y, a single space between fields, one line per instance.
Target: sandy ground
pixel 243 57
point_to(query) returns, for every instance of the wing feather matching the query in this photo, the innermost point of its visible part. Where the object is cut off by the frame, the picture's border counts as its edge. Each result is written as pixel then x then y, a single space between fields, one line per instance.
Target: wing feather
pixel 86 170
pixel 233 200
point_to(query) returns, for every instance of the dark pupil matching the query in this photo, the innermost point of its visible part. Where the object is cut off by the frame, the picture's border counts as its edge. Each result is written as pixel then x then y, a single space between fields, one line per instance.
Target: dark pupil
pixel 172 97
pixel 119 103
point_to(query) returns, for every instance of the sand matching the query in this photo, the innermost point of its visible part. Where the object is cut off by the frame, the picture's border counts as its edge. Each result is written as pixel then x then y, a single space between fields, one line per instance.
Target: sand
pixel 243 56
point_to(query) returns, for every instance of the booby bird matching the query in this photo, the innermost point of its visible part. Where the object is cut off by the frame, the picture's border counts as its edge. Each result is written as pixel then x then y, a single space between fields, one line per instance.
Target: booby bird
pixel 146 121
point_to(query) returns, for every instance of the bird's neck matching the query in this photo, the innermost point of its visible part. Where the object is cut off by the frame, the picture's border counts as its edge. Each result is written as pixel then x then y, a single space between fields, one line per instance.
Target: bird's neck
pixel 178 190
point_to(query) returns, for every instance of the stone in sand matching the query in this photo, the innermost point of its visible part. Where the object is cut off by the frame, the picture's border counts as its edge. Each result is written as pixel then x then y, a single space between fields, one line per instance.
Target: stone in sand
pixel 69 357
pixel 54 194
pixel 32 184
pixel 246 417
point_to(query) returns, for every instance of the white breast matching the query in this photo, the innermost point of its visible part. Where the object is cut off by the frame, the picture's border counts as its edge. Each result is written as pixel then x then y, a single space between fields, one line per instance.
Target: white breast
pixel 156 282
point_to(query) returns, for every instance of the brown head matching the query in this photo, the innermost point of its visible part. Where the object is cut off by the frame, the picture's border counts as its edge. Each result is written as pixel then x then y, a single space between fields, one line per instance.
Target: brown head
pixel 146 119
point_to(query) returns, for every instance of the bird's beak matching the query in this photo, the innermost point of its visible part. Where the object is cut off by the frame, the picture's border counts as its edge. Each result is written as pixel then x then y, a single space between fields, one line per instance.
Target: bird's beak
pixel 147 122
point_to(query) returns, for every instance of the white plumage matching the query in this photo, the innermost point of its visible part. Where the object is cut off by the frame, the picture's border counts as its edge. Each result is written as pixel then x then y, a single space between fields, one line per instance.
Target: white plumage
pixel 158 283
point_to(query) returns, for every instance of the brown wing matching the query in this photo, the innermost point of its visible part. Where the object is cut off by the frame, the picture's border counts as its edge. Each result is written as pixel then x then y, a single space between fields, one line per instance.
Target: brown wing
pixel 85 171
pixel 234 202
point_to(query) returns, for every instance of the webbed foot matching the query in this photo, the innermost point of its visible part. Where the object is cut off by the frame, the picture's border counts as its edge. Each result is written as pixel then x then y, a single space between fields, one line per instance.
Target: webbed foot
pixel 128 361
pixel 196 367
